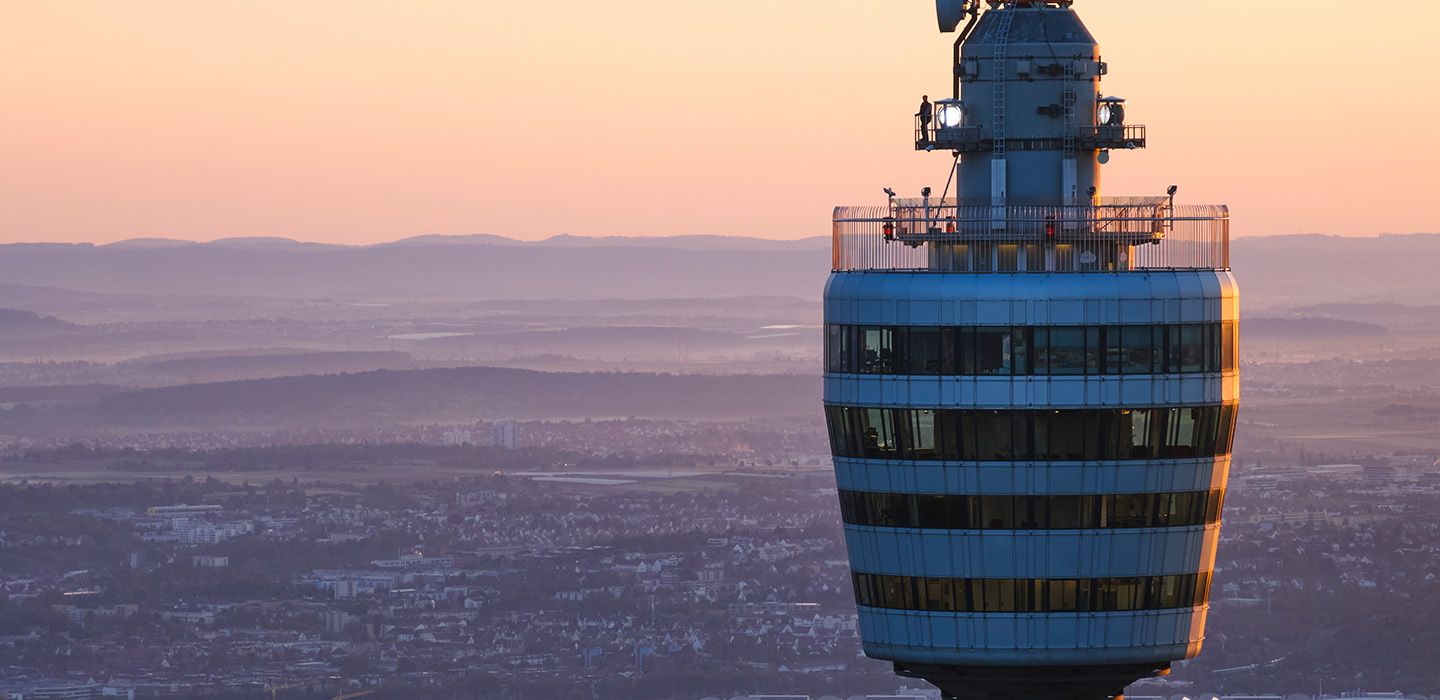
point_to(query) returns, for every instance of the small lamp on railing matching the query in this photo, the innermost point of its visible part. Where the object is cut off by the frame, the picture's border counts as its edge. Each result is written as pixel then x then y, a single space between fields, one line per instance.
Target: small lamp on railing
pixel 889 228
pixel 929 223
pixel 1168 222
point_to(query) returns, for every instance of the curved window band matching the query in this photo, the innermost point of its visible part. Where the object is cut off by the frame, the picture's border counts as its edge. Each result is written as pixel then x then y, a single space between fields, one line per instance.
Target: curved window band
pixel 1031 435
pixel 1031 350
pixel 931 594
pixel 1068 512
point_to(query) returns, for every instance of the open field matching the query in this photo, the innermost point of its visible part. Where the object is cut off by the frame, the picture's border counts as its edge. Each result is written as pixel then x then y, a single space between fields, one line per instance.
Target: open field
pixel 1354 422
pixel 642 480
pixel 681 485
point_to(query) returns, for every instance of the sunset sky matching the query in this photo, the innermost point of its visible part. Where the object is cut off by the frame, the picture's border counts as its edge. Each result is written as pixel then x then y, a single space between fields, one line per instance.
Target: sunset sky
pixel 361 121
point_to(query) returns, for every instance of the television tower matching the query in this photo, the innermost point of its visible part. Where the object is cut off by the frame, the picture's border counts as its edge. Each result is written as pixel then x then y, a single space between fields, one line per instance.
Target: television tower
pixel 1030 388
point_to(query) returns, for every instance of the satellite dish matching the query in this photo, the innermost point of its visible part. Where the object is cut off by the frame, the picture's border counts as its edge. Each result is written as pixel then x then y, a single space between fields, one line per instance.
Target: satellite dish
pixel 950 12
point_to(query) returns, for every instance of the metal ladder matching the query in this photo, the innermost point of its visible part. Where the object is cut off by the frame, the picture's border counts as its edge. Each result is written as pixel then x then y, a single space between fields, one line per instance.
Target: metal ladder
pixel 1069 166
pixel 1068 99
pixel 1000 74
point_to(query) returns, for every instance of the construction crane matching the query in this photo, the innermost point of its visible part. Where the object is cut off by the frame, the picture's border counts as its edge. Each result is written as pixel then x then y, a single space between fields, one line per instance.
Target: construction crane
pixel 346 696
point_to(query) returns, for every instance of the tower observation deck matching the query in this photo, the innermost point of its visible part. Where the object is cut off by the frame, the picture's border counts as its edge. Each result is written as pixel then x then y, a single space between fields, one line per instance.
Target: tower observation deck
pixel 1031 388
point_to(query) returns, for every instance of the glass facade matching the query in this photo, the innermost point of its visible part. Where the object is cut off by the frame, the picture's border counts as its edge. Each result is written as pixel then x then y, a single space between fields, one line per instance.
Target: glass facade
pixel 1031 435
pixel 931 594
pixel 1026 512
pixel 977 351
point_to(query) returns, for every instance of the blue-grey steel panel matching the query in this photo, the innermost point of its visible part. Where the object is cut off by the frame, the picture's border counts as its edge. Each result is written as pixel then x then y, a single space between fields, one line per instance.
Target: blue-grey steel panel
pixel 918 298
pixel 1031 554
pixel 1159 476
pixel 1034 639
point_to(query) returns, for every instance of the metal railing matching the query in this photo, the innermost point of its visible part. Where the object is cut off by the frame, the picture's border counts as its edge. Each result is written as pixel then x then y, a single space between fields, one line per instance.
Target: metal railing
pixel 969 139
pixel 1116 137
pixel 975 139
pixel 1117 235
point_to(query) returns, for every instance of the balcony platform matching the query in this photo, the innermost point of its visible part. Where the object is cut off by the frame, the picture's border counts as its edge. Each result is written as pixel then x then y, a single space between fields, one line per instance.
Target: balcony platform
pixel 1119 234
pixel 975 139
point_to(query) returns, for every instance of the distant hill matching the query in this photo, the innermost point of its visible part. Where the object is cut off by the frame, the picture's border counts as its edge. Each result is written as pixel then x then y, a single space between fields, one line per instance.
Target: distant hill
pixel 1276 273
pixel 269 243
pixel 383 398
pixel 1296 327
pixel 17 324
pixel 689 242
pixel 34 295
pixel 1300 270
pixel 276 362
pixel 749 305
pixel 67 392
pixel 1389 314
pixel 433 268
pixel 19 318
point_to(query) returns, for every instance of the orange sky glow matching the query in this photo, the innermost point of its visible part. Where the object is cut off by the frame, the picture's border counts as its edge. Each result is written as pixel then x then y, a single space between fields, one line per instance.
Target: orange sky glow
pixel 362 121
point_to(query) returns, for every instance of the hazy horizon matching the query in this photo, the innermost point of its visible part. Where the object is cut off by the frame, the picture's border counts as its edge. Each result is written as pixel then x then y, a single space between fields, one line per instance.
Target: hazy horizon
pixel 368 122
pixel 563 237
pixel 499 350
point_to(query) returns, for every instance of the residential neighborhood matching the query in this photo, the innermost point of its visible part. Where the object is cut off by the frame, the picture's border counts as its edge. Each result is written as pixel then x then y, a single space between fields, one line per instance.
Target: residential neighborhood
pixel 548 584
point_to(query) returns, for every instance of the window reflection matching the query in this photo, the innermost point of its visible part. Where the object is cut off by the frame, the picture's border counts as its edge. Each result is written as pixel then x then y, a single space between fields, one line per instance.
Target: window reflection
pixel 1025 435
pixel 935 594
pixel 1030 351
pixel 921 352
pixel 1025 512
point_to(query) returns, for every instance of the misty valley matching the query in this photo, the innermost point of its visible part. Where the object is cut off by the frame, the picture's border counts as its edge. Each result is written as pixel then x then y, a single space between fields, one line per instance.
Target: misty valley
pixel 480 468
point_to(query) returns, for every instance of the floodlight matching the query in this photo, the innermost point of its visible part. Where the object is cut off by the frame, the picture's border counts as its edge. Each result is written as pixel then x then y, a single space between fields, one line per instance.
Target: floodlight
pixel 951 115
pixel 1110 111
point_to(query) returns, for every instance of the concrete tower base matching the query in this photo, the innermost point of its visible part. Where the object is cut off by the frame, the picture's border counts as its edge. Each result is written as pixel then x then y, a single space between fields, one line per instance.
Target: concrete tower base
pixel 1030 682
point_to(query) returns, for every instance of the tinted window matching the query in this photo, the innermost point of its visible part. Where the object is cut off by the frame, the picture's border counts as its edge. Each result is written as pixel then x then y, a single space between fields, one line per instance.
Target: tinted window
pixel 1024 435
pixel 1067 351
pixel 1026 512
pixel 936 594
pixel 1024 351
pixel 921 354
